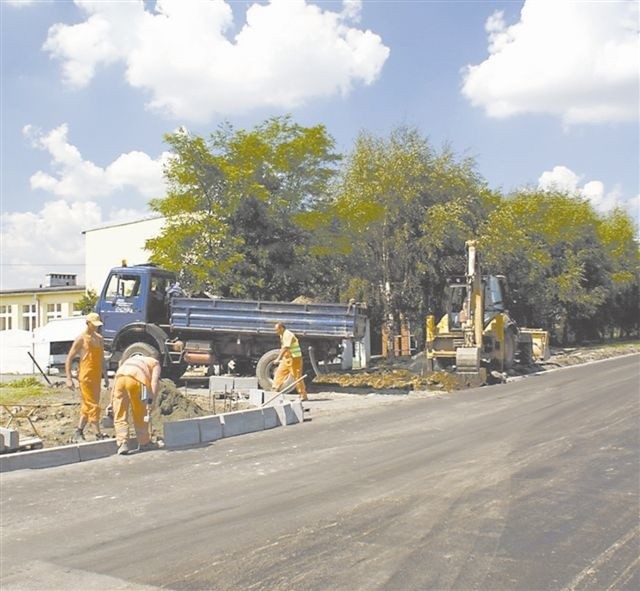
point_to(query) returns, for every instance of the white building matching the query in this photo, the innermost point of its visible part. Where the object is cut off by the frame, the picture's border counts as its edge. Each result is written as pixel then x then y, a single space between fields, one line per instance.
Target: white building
pixel 107 246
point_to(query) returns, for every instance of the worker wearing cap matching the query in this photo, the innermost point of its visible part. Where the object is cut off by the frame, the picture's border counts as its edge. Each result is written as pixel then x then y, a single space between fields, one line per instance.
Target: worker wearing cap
pixel 135 388
pixel 89 348
pixel 289 360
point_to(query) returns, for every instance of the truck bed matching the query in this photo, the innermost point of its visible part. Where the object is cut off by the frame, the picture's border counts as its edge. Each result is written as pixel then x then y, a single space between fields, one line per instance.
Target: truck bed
pixel 258 317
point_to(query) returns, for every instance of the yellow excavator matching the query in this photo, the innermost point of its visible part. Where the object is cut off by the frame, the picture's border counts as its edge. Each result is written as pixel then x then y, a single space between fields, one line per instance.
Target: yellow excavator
pixel 476 334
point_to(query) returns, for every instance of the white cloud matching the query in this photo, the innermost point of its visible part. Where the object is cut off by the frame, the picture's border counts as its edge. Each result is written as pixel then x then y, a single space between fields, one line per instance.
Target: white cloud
pixel 563 179
pixel 351 9
pixel 79 179
pixel 50 240
pixel 287 53
pixel 560 178
pixel 576 60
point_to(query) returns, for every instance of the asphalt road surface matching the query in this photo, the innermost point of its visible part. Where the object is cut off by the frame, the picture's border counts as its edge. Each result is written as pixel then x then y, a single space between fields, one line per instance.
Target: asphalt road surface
pixel 528 485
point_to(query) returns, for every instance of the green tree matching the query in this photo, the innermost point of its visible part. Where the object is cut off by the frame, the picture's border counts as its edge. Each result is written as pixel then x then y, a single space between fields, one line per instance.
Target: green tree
pixel 619 313
pixel 394 206
pixel 87 303
pixel 550 245
pixel 236 205
pixel 197 241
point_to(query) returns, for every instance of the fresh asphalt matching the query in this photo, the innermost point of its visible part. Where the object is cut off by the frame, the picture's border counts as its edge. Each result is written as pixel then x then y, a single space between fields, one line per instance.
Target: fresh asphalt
pixel 528 485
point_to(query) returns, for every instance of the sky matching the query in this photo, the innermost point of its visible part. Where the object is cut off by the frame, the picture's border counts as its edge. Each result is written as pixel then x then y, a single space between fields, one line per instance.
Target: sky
pixel 541 93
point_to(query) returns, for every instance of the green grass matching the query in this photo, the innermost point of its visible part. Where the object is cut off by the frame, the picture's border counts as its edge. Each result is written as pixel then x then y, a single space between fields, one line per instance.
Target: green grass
pixel 20 390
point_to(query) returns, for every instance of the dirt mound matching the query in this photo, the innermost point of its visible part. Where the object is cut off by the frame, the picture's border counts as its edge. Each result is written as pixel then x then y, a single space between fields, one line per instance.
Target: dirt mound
pixel 172 405
pixel 390 379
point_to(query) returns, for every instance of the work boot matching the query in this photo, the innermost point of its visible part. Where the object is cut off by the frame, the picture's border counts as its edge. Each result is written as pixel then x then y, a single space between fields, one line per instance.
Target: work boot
pixel 78 436
pixel 303 397
pixel 123 448
pixel 101 436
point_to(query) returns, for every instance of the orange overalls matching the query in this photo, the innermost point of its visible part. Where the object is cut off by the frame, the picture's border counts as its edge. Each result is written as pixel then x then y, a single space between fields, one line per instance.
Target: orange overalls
pixel 290 364
pixel 127 392
pixel 89 377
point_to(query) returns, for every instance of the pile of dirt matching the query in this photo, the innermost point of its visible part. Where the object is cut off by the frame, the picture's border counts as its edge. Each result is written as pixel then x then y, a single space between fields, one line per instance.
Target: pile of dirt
pixel 392 379
pixel 172 405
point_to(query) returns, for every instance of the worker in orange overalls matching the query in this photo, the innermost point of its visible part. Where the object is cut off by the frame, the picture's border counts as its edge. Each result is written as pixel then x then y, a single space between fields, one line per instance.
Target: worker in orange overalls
pixel 135 387
pixel 90 349
pixel 289 361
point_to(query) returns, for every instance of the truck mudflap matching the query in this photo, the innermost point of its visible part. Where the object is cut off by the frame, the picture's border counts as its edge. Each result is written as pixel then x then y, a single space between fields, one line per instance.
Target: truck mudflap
pixel 536 341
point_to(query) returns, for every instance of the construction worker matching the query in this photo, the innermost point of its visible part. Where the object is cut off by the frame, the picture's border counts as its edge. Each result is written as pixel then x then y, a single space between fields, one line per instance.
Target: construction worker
pixel 289 361
pixel 90 349
pixel 135 388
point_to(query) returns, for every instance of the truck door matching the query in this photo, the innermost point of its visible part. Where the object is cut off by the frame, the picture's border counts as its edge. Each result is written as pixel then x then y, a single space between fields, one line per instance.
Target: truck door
pixel 157 304
pixel 122 302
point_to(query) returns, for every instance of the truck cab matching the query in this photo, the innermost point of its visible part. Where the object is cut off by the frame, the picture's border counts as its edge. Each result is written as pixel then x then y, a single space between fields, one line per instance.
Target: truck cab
pixel 136 294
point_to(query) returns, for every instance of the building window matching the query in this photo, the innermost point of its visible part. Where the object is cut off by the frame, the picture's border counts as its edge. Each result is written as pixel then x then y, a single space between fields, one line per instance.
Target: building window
pixel 5 318
pixel 54 311
pixel 29 317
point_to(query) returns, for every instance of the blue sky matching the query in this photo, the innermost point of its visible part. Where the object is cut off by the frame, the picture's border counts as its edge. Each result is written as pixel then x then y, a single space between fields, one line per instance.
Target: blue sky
pixel 540 93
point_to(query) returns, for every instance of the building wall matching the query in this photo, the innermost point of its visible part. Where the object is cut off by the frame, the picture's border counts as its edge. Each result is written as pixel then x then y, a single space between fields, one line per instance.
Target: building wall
pixel 108 246
pixel 30 309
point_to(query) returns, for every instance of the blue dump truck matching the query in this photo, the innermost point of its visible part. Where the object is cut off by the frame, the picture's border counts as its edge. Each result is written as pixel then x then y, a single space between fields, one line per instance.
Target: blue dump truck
pixel 144 312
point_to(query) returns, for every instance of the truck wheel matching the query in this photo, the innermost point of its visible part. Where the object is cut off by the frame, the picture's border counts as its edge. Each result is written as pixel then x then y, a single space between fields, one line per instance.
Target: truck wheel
pixel 140 349
pixel 266 368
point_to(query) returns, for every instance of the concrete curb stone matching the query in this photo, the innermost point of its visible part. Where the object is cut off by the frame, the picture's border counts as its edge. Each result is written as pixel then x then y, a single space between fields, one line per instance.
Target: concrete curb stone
pixel 41 458
pixel 181 433
pixel 271 418
pixel 210 428
pixel 285 413
pixel 93 450
pixel 241 422
pixel 11 438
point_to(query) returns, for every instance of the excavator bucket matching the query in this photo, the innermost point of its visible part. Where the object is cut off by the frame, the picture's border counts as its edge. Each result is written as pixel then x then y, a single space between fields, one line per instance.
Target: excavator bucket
pixel 536 341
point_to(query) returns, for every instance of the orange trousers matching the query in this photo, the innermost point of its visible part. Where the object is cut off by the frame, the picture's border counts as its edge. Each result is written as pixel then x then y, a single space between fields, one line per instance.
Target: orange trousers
pixel 126 395
pixel 290 366
pixel 90 395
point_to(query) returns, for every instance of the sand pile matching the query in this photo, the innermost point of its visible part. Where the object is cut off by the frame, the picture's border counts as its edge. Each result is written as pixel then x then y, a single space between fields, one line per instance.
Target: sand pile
pixel 172 405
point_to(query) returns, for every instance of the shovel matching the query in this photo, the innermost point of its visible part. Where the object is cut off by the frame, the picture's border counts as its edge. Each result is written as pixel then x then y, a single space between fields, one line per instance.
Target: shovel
pixel 287 389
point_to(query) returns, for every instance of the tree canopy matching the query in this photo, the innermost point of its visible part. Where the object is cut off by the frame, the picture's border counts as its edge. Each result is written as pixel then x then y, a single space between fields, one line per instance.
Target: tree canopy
pixel 274 213
pixel 234 208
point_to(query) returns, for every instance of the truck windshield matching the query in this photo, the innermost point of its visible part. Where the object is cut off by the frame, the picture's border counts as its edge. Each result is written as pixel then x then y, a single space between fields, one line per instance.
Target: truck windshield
pixel 122 286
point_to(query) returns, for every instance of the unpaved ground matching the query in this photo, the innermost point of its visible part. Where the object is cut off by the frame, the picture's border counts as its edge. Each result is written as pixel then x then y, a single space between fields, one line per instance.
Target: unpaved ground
pixel 54 410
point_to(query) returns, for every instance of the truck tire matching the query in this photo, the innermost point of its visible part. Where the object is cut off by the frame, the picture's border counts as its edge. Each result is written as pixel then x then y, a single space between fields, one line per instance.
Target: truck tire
pixel 266 368
pixel 172 372
pixel 140 349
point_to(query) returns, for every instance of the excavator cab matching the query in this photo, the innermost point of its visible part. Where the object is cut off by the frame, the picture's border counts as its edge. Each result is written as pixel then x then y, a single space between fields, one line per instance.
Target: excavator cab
pixel 457 300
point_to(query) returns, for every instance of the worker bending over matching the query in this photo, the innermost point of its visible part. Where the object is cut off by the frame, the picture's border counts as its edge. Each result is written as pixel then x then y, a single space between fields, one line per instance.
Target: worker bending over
pixel 89 347
pixel 289 360
pixel 135 387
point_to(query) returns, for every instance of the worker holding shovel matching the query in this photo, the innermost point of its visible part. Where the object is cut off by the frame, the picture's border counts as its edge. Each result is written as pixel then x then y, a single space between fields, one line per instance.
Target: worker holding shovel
pixel 135 387
pixel 289 361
